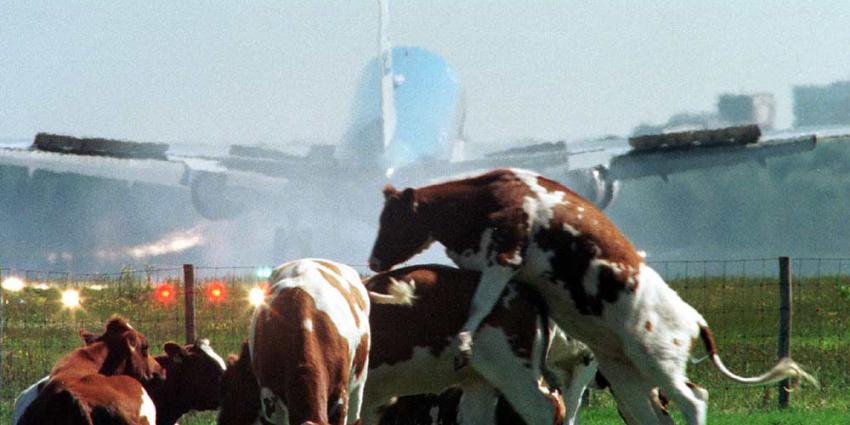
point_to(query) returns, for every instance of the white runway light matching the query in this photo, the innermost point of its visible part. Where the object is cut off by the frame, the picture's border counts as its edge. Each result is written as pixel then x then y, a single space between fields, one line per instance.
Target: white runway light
pixel 71 298
pixel 256 296
pixel 13 284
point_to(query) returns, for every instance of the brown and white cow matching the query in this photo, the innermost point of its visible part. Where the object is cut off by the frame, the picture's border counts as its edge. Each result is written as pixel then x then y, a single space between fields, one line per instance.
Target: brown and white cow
pixel 100 382
pixel 515 224
pixel 193 372
pixel 411 352
pixel 310 344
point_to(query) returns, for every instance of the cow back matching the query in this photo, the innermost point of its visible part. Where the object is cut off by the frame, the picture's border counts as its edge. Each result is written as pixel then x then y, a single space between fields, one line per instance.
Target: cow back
pixel 442 299
pixel 55 405
pixel 93 399
pixel 310 341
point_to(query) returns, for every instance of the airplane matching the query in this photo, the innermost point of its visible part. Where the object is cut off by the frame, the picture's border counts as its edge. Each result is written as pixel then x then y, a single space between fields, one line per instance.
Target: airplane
pixel 407 128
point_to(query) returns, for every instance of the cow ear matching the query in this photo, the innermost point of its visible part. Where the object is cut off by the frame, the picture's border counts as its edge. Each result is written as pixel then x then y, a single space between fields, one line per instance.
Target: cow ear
pixel 88 337
pixel 175 352
pixel 389 192
pixel 131 342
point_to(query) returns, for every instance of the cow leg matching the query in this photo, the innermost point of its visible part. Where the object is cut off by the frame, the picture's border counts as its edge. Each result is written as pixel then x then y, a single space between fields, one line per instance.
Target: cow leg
pixel 659 403
pixel 580 377
pixel 478 404
pixel 631 391
pixel 669 374
pixel 691 399
pixel 490 286
pixel 272 410
pixel 518 380
pixel 355 401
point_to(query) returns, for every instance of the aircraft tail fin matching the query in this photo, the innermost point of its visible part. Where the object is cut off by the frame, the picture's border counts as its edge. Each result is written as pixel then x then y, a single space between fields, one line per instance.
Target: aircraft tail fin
pixel 388 116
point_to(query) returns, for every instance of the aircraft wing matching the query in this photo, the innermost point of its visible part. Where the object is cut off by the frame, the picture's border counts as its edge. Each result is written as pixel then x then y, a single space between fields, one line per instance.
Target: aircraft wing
pixel 537 157
pixel 161 172
pixel 221 186
pixel 622 163
pixel 663 163
pixel 217 190
pixel 595 168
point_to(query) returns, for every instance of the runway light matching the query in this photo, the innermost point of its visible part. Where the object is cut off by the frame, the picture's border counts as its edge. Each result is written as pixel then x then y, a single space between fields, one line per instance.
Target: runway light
pixel 71 298
pixel 216 292
pixel 257 296
pixel 13 284
pixel 164 293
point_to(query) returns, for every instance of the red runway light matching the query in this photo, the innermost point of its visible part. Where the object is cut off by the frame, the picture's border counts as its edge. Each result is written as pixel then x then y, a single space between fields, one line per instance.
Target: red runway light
pixel 216 292
pixel 165 293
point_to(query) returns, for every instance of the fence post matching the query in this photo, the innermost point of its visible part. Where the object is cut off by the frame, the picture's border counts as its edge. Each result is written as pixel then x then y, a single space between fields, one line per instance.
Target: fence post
pixel 784 324
pixel 189 298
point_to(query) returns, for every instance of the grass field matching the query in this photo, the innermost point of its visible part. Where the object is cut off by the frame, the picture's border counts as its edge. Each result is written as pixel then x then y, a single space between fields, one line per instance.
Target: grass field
pixel 743 312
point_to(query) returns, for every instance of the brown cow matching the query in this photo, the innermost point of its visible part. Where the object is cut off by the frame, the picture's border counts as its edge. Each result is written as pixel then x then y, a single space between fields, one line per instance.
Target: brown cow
pixel 310 344
pixel 100 382
pixel 515 224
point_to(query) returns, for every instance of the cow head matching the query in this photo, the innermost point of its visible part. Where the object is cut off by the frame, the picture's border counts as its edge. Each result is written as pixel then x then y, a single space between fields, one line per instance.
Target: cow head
pixel 127 352
pixel 194 373
pixel 240 394
pixel 402 233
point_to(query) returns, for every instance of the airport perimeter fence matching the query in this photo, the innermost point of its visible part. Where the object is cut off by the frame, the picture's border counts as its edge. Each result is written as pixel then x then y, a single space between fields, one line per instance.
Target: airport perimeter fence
pixel 740 299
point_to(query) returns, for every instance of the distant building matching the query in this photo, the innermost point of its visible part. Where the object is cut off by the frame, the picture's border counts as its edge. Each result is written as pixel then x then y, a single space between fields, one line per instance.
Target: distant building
pixel 741 109
pixel 822 105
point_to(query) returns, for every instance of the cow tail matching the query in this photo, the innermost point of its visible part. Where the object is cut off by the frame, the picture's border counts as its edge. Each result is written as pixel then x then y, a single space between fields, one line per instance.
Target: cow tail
pixel 785 368
pixel 399 293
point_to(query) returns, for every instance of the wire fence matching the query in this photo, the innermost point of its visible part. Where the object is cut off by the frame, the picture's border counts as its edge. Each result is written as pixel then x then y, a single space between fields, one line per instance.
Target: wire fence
pixel 740 299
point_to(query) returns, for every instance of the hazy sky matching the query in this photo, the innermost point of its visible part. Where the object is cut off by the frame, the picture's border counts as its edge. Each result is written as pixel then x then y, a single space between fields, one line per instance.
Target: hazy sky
pixel 277 71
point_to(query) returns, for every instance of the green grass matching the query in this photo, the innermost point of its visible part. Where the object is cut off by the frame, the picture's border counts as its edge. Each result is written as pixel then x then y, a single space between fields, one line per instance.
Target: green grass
pixel 742 312
pixel 755 417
